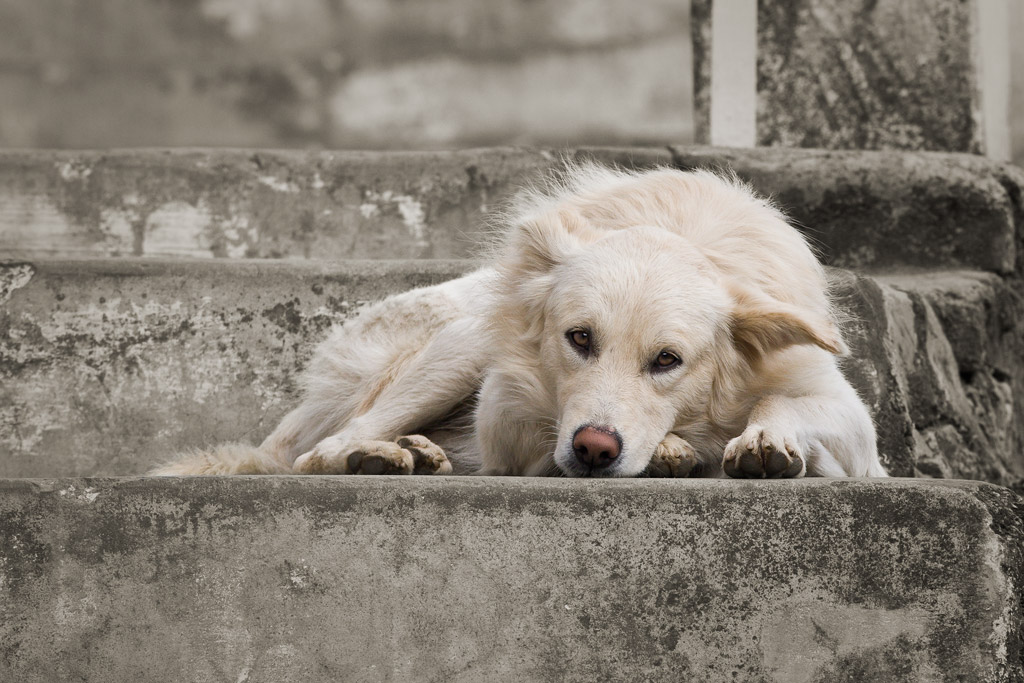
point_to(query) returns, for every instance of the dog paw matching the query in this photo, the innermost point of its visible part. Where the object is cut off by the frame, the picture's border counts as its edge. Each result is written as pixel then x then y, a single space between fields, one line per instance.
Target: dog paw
pixel 760 453
pixel 674 457
pixel 428 458
pixel 334 456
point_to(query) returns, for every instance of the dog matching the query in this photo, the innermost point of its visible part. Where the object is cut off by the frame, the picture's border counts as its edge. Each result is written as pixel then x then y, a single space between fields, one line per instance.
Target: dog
pixel 657 323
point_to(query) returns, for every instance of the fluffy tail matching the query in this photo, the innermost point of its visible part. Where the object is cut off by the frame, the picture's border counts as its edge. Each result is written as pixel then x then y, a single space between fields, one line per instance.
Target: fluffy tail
pixel 230 458
pixel 875 469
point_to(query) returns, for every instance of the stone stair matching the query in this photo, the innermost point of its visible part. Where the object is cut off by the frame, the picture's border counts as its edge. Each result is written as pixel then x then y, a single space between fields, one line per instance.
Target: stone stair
pixel 464 579
pixel 154 301
pixel 141 347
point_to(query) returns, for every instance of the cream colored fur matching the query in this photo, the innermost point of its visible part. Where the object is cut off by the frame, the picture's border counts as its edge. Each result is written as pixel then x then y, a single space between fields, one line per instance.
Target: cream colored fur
pixel 692 264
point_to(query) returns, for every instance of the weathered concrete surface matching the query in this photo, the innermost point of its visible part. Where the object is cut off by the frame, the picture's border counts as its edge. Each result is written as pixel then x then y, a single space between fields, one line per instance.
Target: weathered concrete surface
pixel 868 74
pixel 413 579
pixel 864 209
pixel 939 359
pixel 108 367
pixel 626 92
pixel 879 210
pixel 266 204
pixel 873 74
pixel 344 74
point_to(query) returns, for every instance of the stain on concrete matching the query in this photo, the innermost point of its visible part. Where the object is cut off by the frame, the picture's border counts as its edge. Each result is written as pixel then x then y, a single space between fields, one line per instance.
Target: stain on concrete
pixel 286 316
pixel 938 409
pixel 819 633
pixel 14 276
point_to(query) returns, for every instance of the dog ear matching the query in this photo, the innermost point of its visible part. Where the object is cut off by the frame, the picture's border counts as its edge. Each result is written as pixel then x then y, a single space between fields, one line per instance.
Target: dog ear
pixel 541 242
pixel 761 324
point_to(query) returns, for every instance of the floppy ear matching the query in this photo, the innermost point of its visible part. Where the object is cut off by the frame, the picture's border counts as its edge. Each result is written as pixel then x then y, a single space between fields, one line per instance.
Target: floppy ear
pixel 761 324
pixel 541 242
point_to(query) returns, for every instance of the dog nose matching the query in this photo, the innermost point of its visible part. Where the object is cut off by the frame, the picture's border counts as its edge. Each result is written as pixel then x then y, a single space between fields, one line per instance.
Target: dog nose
pixel 596 446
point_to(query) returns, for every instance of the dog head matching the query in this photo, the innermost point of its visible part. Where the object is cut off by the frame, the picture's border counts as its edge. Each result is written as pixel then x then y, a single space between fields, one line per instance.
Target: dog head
pixel 629 327
pixel 626 334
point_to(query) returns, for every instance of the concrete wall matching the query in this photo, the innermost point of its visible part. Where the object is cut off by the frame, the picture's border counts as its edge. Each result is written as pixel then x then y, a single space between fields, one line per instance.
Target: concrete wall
pixel 342 73
pixel 941 75
pixel 351 74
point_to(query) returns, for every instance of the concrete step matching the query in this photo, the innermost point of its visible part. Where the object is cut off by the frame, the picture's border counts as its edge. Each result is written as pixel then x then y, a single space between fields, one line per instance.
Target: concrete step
pixel 471 579
pixel 109 366
pixel 864 209
pixel 243 203
pixel 885 210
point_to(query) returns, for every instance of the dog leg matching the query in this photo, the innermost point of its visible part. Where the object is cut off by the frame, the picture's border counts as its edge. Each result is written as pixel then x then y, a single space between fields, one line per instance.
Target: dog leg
pixel 444 374
pixel 401 367
pixel 511 438
pixel 674 457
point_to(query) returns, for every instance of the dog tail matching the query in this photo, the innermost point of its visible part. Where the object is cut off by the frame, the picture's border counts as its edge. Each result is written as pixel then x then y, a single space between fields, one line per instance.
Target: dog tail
pixel 875 469
pixel 230 458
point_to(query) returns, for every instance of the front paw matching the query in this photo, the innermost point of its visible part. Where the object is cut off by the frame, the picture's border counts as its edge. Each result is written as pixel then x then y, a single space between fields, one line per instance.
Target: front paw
pixel 674 457
pixel 428 457
pixel 759 452
pixel 337 456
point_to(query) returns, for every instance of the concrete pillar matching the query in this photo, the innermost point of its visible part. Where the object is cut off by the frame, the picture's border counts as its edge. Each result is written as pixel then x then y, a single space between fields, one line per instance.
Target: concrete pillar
pixel 861 74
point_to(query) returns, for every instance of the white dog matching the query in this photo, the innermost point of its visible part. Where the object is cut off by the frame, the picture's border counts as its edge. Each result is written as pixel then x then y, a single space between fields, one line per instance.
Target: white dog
pixel 659 323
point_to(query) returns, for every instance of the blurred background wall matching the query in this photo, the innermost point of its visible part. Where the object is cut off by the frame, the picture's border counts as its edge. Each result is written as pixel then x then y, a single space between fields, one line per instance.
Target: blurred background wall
pixel 408 74
pixel 374 74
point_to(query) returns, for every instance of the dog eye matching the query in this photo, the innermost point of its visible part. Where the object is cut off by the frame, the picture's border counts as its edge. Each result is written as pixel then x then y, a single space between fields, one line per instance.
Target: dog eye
pixel 580 340
pixel 666 360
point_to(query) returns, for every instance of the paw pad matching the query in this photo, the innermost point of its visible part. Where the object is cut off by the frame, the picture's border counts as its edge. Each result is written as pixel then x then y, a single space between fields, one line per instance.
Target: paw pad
pixel 428 458
pixel 759 454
